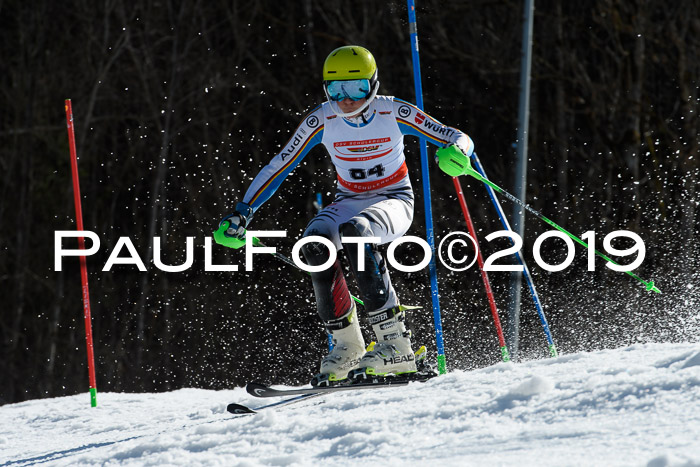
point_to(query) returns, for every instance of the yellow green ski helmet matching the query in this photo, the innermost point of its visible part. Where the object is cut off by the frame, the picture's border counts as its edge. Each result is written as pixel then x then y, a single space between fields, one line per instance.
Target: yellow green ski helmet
pixel 350 62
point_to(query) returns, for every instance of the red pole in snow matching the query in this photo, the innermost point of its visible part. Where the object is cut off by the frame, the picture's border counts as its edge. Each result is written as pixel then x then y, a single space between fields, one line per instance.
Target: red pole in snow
pixel 484 275
pixel 83 262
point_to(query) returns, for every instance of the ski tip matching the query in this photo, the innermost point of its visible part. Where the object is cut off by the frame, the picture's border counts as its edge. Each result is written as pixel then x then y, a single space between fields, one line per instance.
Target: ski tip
pixel 238 409
pixel 255 389
pixel 652 287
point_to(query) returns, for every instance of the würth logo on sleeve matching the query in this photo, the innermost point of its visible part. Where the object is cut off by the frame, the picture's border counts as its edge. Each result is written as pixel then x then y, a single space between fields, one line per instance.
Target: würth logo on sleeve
pixel 419 118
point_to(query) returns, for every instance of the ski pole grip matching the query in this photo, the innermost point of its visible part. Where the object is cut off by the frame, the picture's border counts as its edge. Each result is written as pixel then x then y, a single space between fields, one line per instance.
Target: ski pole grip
pixel 453 161
pixel 221 238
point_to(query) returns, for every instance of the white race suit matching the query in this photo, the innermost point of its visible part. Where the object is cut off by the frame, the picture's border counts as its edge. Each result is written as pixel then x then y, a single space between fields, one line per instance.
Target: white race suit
pixel 374 197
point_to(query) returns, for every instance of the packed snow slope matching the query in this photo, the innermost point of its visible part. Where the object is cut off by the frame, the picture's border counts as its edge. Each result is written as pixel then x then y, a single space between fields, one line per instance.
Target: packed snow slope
pixel 636 406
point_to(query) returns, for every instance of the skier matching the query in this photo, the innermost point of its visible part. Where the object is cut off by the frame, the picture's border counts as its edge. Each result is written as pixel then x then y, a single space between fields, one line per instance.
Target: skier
pixel 363 133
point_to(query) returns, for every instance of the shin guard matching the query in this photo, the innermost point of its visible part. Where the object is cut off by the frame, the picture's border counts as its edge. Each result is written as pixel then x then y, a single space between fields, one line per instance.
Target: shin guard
pixel 332 296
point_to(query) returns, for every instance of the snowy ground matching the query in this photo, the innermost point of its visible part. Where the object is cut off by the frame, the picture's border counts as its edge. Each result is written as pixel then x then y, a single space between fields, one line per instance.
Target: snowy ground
pixel 636 406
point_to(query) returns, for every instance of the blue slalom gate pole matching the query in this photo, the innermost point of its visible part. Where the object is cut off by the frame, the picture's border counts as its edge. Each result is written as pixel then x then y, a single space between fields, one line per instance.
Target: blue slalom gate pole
pixel 526 271
pixel 413 29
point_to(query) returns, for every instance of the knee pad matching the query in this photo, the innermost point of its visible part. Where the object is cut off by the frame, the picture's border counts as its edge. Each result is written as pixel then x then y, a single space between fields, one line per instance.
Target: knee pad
pixel 360 227
pixel 356 227
pixel 373 281
pixel 315 253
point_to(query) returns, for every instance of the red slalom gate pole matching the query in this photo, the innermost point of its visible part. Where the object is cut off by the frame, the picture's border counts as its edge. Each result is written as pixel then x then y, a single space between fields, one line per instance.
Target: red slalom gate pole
pixel 83 261
pixel 484 275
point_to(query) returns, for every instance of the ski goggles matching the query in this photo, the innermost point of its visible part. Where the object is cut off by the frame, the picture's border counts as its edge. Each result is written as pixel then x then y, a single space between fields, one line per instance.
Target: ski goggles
pixel 354 89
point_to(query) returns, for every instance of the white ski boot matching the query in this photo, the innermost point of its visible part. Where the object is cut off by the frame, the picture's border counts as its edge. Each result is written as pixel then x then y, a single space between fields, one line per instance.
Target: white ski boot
pixel 348 349
pixel 392 353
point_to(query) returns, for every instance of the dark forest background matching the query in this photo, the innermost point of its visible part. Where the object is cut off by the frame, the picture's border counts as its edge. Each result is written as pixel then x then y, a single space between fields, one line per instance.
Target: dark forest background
pixel 178 104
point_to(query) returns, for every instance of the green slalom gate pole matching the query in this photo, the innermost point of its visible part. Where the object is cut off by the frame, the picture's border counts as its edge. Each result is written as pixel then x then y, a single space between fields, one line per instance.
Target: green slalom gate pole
pixel 236 243
pixel 452 159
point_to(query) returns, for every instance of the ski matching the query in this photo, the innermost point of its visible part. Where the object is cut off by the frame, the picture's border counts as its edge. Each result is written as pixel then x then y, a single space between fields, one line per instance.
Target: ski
pixel 302 394
pixel 425 372
pixel 262 390
pixel 240 409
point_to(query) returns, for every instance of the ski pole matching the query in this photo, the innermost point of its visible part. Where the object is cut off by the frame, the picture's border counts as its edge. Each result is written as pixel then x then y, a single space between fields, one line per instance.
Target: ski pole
pixel 236 243
pixel 484 275
pixel 454 163
pixel 468 170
